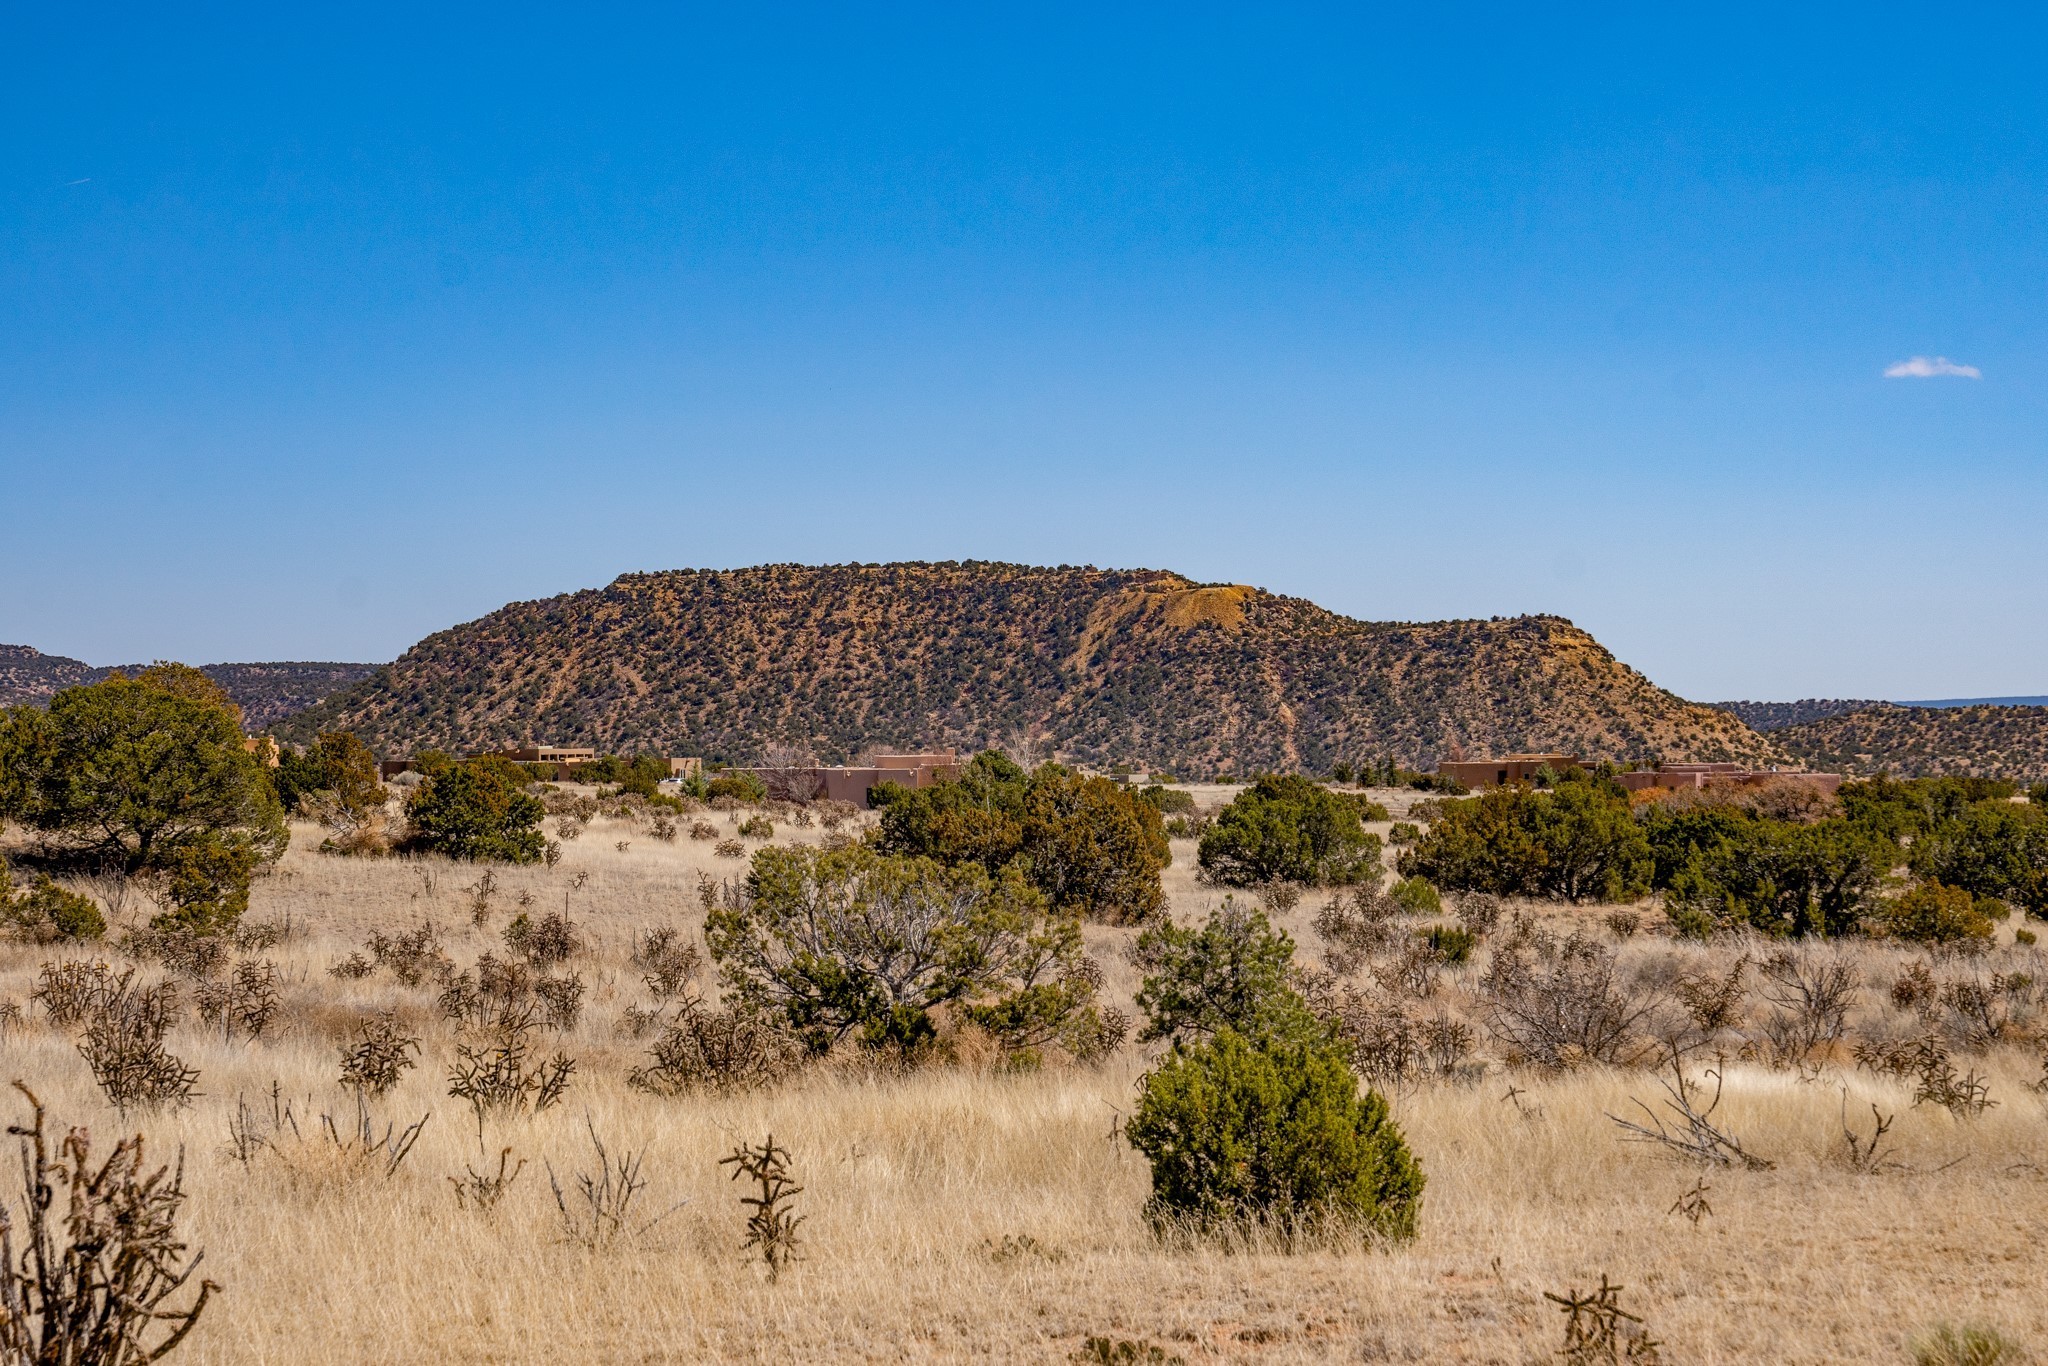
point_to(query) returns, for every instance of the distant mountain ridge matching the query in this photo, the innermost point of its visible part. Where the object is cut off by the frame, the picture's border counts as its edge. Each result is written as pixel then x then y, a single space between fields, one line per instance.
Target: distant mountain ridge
pixel 1766 717
pixel 266 693
pixel 1103 664
pixel 1982 741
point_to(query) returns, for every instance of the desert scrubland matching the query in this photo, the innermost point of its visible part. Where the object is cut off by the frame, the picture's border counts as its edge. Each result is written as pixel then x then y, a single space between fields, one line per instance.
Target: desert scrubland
pixel 961 1211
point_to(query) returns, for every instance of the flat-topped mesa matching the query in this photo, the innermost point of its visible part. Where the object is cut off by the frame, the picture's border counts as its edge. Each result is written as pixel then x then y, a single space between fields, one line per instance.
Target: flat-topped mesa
pixel 1094 665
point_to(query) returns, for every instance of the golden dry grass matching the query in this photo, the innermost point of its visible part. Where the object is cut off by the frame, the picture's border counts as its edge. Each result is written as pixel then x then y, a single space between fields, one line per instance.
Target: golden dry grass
pixel 913 1183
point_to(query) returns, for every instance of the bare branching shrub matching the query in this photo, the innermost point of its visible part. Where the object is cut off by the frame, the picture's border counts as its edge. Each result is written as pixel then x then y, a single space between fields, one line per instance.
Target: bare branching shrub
pixel 256 936
pixel 1714 1002
pixel 703 830
pixel 358 1148
pixel 71 992
pixel 1560 1003
pixel 380 1056
pixel 705 1049
pixel 772 1225
pixel 1963 1094
pixel 663 829
pixel 124 1045
pixel 480 894
pixel 1598 1330
pixel 413 957
pixel 96 1276
pixel 668 960
pixel 498 1072
pixel 247 999
pixel 1623 924
pixel 729 849
pixel 561 1000
pixel 1692 1205
pixel 1914 988
pixel 183 950
pixel 1356 925
pixel 1686 1127
pixel 1981 1012
pixel 482 1191
pixel 568 829
pixel 1865 1154
pixel 353 968
pixel 544 942
pixel 480 995
pixel 1280 897
pixel 1811 994
pixel 601 1211
pixel 1478 912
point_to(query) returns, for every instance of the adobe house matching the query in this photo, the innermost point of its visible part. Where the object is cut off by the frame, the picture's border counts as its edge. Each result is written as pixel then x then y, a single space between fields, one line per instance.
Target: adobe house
pixel 1505 771
pixel 844 784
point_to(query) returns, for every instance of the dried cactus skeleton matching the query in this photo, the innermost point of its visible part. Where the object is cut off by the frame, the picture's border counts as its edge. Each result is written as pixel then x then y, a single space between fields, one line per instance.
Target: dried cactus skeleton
pixel 94 1282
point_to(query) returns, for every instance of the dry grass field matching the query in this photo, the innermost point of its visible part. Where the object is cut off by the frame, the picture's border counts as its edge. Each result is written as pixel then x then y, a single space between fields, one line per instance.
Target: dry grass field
pixel 959 1213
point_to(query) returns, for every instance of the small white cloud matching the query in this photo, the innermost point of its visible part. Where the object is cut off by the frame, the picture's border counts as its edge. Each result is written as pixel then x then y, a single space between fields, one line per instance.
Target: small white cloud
pixel 1928 367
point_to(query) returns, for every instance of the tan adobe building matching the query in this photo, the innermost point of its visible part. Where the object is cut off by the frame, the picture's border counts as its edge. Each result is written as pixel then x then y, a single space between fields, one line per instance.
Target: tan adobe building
pixel 1506 771
pixel 843 784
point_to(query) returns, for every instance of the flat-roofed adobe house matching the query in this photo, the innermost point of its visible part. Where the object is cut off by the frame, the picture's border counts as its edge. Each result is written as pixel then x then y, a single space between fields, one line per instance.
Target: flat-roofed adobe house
pixel 851 783
pixel 1505 771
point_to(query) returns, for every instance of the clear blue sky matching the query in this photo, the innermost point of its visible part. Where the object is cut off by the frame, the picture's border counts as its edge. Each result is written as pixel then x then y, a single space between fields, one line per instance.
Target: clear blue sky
pixel 322 331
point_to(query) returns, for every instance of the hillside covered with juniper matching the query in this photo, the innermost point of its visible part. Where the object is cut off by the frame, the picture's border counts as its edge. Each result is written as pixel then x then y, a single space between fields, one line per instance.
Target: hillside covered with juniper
pixel 1101 665
pixel 268 694
pixel 1983 741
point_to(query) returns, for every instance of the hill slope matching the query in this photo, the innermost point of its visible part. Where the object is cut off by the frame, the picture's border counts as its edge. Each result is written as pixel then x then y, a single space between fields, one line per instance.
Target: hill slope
pixel 1109 664
pixel 266 693
pixel 1765 717
pixel 1980 741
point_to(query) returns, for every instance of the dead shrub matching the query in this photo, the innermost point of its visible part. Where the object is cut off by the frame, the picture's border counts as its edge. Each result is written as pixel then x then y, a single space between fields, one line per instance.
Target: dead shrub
pixel 663 829
pixel 1981 1012
pixel 1686 1127
pixel 1559 1003
pixel 71 992
pixel 380 1056
pixel 703 830
pixel 1355 925
pixel 1812 993
pixel 353 968
pixel 1714 1002
pixel 181 949
pixel 498 1072
pixel 729 849
pixel 1598 1330
pixel 124 1045
pixel 705 1049
pixel 544 942
pixel 94 1283
pixel 561 1000
pixel 482 1191
pixel 668 960
pixel 412 957
pixel 772 1225
pixel 246 999
pixel 602 1211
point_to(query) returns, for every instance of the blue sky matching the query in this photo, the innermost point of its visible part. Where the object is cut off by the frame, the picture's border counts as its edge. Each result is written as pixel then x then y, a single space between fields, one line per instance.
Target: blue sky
pixel 320 331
